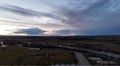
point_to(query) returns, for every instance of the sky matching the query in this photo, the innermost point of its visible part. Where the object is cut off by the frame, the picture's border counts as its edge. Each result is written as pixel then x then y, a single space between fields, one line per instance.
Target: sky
pixel 59 17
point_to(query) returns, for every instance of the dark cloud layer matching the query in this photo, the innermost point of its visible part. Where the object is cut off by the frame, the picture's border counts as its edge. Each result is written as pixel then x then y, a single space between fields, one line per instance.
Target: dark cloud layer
pixel 64 32
pixel 30 31
pixel 100 17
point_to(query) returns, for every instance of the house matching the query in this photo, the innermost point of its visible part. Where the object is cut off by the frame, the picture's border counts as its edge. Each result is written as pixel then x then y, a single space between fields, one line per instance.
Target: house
pixel 95 58
pixel 3 45
pixel 99 60
pixel 106 62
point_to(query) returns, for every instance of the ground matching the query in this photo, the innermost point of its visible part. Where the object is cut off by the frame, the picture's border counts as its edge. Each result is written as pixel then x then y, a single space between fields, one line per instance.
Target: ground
pixel 20 55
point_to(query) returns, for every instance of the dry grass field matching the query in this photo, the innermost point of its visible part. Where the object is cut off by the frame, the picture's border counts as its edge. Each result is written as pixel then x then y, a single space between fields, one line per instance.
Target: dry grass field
pixel 19 55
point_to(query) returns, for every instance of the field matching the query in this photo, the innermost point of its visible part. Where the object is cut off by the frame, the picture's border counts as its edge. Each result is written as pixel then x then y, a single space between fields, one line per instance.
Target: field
pixel 47 55
pixel 15 55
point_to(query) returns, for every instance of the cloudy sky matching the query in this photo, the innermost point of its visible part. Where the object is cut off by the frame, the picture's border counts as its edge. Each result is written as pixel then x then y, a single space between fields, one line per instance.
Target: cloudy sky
pixel 59 17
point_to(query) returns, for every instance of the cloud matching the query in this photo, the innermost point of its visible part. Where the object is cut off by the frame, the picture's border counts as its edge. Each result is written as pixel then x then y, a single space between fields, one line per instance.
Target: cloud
pixel 30 31
pixel 78 17
pixel 99 17
pixel 26 12
pixel 23 17
pixel 64 32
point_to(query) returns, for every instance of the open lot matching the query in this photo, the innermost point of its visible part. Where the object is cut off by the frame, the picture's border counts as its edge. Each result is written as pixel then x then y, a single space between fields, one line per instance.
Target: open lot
pixel 19 55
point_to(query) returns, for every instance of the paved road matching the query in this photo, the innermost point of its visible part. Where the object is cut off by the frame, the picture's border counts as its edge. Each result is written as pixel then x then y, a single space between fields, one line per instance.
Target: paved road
pixel 82 61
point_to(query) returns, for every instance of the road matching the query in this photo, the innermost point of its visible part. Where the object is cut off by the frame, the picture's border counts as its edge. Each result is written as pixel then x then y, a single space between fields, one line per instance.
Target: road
pixel 104 53
pixel 82 61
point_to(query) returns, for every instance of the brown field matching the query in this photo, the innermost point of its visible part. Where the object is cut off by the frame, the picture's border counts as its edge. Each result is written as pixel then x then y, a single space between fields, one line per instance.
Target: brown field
pixel 19 55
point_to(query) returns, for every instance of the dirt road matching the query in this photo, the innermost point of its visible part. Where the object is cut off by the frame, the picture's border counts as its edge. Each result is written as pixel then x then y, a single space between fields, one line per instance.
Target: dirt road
pixel 82 61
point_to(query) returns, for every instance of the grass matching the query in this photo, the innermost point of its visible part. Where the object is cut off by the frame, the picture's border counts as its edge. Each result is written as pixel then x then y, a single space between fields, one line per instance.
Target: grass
pixel 19 55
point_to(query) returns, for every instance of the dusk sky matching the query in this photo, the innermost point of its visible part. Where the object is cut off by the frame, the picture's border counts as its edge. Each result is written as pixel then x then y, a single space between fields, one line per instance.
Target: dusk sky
pixel 59 17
